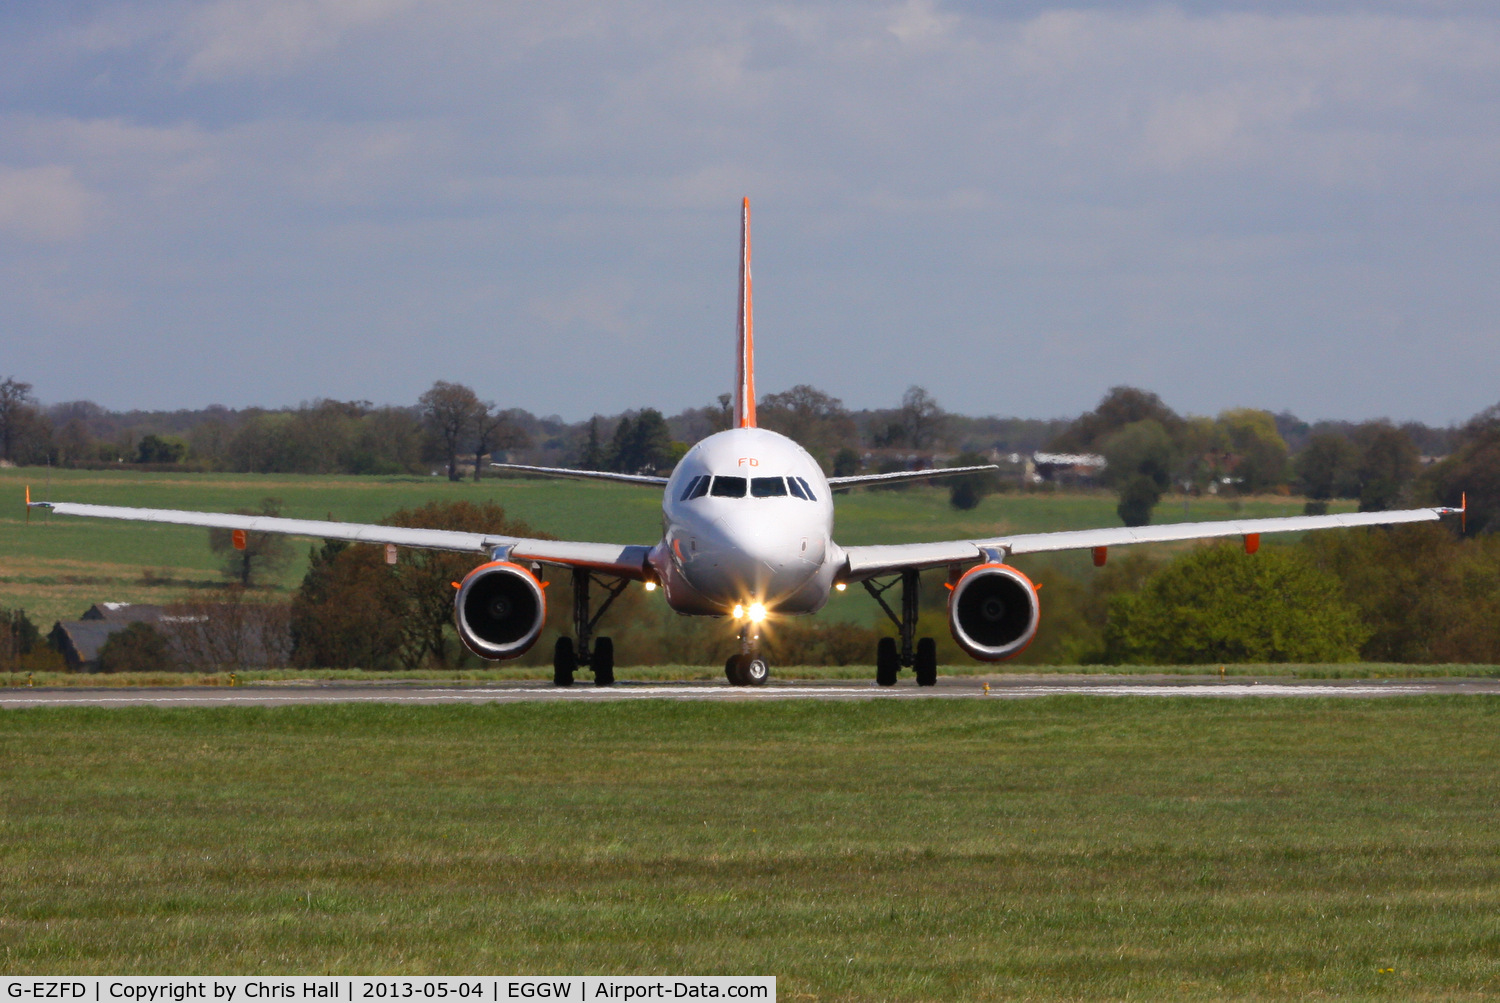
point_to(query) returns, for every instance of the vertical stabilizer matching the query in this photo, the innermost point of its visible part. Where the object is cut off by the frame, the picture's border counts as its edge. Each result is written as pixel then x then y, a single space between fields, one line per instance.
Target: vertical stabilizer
pixel 744 385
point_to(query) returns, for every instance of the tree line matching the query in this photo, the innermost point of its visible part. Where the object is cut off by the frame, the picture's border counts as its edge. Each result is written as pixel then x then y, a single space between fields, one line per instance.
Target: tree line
pixel 1149 448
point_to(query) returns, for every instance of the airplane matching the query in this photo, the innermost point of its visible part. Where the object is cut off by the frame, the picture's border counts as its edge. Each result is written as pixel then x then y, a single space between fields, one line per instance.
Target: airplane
pixel 748 521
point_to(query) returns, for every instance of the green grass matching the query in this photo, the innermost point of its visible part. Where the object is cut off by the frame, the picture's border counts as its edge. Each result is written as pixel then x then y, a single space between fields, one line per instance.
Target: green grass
pixel 1069 848
pixel 56 567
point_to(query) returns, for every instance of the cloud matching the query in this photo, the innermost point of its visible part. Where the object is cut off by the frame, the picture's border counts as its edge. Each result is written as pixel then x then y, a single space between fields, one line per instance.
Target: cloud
pixel 45 203
pixel 234 38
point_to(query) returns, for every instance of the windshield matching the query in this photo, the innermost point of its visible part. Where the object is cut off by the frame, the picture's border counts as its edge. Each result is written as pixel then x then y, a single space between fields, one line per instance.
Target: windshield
pixel 767 487
pixel 728 487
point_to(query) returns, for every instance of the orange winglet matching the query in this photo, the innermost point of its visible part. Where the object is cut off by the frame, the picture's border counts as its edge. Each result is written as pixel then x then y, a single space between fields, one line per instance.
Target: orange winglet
pixel 238 536
pixel 1463 512
pixel 1252 542
pixel 1101 554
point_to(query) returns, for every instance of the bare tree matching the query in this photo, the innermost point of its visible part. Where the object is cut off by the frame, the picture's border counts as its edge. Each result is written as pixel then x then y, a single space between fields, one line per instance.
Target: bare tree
pixel 450 410
pixel 920 417
pixel 237 633
pixel 17 407
pixel 262 555
pixel 495 429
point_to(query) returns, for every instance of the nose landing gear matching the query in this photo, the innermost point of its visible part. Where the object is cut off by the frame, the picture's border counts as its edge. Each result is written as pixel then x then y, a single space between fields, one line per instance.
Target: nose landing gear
pixel 747 668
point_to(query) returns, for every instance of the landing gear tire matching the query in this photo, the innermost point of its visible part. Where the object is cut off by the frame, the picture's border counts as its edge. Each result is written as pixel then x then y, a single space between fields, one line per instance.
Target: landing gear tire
pixel 564 662
pixel 887 662
pixel 732 670
pixel 925 664
pixel 603 662
pixel 756 671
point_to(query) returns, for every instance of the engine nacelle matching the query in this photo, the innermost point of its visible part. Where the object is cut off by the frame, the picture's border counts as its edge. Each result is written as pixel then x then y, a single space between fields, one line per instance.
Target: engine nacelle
pixel 993 612
pixel 500 609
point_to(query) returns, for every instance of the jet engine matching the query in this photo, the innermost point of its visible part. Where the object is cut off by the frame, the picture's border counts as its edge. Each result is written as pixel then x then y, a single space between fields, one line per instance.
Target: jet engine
pixel 500 609
pixel 993 612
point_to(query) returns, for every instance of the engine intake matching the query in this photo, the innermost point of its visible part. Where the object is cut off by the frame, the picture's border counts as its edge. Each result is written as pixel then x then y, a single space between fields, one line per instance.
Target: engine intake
pixel 993 612
pixel 500 609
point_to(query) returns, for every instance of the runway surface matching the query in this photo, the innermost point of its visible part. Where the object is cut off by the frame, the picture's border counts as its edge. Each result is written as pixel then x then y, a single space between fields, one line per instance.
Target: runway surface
pixel 531 691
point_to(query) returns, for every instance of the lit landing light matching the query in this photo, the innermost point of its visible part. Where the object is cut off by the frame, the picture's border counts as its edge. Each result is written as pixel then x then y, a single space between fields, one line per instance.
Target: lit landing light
pixel 650 586
pixel 756 612
pixel 739 612
pixel 840 586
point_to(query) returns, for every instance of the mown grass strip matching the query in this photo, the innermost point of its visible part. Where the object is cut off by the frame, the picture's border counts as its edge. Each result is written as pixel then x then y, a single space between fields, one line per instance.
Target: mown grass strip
pixel 1059 848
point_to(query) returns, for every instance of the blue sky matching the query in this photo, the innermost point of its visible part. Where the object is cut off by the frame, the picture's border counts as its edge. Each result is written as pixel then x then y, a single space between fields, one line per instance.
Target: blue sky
pixel 1018 206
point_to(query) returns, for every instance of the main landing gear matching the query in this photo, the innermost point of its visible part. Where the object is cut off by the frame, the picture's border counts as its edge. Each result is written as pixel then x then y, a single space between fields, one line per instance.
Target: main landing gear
pixel 921 658
pixel 747 668
pixel 597 654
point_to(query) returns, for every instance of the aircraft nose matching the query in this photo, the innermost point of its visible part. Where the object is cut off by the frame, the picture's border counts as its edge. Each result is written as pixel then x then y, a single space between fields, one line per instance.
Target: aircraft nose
pixel 754 558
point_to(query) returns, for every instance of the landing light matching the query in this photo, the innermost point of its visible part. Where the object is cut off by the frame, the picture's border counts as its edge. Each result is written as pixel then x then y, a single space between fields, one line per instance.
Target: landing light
pixel 840 586
pixel 757 612
pixel 739 612
pixel 650 586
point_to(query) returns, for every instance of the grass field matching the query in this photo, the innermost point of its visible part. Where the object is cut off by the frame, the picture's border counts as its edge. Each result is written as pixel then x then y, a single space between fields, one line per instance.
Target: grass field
pixel 56 567
pixel 1069 848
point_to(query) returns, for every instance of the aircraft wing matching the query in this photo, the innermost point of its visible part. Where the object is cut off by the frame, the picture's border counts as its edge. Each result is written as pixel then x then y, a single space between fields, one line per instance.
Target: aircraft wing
pixel 868 562
pixel 585 475
pixel 856 480
pixel 627 561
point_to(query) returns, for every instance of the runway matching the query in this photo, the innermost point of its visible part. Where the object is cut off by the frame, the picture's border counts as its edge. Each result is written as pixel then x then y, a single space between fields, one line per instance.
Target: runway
pixel 1015 687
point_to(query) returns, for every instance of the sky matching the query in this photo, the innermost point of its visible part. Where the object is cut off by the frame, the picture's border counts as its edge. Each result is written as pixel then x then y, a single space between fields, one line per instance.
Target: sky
pixel 261 202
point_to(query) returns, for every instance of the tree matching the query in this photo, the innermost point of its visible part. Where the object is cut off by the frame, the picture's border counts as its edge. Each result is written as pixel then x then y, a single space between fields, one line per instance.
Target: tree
pixel 17 415
pixel 18 636
pixel 1473 470
pixel 966 491
pixel 154 449
pixel 920 419
pixel 140 647
pixel 353 609
pixel 642 445
pixel 1424 593
pixel 264 553
pixel 1388 463
pixel 592 457
pixel 815 420
pixel 1328 467
pixel 1139 461
pixel 1258 449
pixel 495 429
pixel 1220 604
pixel 1119 407
pixel 449 410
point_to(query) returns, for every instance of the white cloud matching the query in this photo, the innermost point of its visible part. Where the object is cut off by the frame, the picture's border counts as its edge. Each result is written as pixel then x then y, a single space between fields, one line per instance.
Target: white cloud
pixel 45 203
pixel 232 38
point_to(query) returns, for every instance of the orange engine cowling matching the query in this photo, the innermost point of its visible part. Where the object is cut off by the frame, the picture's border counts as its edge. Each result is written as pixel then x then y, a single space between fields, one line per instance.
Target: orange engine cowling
pixel 500 609
pixel 993 612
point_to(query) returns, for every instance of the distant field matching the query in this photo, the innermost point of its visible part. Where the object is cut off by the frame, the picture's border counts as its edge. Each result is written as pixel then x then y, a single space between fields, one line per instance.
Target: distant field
pixel 1066 848
pixel 57 567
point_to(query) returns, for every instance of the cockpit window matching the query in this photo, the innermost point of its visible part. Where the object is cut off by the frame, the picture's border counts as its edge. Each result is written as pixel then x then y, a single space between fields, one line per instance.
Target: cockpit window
pixel 729 487
pixel 767 487
pixel 687 492
pixel 701 489
pixel 791 482
pixel 810 495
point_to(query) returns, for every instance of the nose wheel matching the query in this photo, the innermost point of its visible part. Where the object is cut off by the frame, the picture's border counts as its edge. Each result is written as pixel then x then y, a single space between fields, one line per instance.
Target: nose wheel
pixel 747 668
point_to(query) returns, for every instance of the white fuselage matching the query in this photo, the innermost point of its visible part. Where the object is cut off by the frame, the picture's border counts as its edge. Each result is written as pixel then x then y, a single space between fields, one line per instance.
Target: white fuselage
pixel 759 529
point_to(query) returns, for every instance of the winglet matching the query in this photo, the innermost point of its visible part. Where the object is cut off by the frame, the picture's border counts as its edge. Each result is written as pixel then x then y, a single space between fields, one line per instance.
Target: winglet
pixel 744 386
pixel 1463 512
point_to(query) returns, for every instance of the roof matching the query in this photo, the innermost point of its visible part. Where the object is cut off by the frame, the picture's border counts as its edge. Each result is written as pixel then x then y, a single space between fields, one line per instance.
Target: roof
pixel 123 612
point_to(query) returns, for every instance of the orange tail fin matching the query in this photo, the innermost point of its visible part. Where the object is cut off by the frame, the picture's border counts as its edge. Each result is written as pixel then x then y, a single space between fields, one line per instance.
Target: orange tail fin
pixel 744 387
